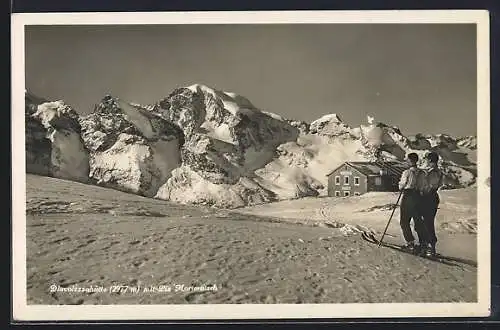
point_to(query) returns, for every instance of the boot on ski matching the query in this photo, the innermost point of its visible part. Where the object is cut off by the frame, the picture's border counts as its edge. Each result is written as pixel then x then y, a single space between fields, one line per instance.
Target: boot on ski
pixel 431 250
pixel 421 249
pixel 409 246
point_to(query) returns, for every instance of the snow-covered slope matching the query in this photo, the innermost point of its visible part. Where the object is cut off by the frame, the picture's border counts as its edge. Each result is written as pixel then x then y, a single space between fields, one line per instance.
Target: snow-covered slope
pixel 329 142
pixel 76 233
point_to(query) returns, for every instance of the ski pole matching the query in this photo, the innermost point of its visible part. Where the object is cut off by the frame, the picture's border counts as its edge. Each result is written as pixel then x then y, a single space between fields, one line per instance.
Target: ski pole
pixel 390 218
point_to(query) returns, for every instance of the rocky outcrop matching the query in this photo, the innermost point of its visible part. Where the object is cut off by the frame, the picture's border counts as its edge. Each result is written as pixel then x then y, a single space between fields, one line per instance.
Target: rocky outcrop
pixel 469 142
pixel 131 148
pixel 330 125
pixel 442 141
pixel 302 126
pixel 420 142
pixel 53 143
pixel 38 148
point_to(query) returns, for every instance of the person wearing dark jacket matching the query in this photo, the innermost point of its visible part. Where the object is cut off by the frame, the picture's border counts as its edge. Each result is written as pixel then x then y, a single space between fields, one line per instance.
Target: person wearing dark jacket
pixel 430 200
pixel 410 186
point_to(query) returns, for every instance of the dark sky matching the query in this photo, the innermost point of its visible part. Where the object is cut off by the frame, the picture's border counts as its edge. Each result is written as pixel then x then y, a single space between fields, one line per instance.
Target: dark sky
pixel 420 77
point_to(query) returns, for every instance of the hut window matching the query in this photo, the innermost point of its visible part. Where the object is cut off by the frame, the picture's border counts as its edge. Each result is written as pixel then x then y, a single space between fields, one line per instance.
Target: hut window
pixel 337 194
pixel 346 180
pixel 378 181
pixel 337 180
pixel 356 181
pixel 346 193
pixel 356 193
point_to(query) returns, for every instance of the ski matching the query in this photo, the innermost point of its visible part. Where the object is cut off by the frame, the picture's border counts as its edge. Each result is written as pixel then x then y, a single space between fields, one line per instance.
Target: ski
pixel 472 263
pixel 373 240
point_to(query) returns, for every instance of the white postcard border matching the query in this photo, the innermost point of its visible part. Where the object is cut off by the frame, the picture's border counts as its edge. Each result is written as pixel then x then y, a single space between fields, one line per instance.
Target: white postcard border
pixel 24 312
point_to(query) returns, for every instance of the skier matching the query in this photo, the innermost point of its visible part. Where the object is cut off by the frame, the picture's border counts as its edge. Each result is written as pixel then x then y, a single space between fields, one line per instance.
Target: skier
pixel 410 186
pixel 430 200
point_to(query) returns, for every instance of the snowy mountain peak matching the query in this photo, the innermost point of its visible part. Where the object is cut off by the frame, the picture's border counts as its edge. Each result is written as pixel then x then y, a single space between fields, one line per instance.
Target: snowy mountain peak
pixel 108 104
pixel 224 116
pixel 32 98
pixel 31 102
pixel 232 102
pixel 329 125
pixel 54 146
pixel 200 88
pixel 332 117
